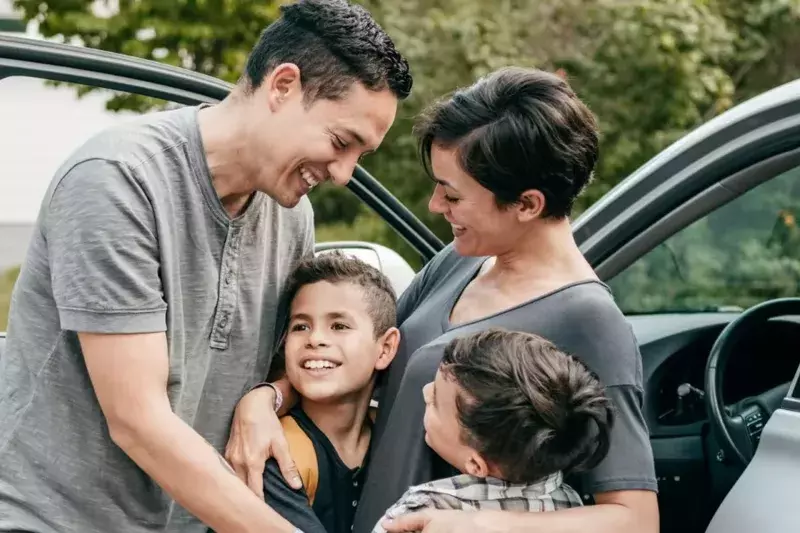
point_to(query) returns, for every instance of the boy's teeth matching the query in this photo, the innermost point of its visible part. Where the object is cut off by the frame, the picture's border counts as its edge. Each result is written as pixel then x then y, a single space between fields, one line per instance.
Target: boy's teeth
pixel 319 364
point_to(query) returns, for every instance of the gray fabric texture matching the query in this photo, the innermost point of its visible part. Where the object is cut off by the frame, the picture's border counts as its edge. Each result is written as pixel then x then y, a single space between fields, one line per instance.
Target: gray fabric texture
pixel 131 237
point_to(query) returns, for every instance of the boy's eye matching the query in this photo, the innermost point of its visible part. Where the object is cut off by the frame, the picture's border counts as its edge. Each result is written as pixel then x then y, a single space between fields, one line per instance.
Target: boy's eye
pixel 339 143
pixel 299 327
pixel 451 199
pixel 338 326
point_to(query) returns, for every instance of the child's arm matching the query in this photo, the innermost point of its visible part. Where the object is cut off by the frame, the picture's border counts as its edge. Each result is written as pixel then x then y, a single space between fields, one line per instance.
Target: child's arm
pixel 292 504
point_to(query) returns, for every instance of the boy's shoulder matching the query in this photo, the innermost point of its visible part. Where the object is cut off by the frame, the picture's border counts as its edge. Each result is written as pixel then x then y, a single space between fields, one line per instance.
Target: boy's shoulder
pixel 302 450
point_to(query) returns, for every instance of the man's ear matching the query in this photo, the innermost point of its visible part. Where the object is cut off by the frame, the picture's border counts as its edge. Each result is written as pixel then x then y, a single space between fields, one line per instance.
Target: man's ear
pixel 282 84
pixel 531 205
pixel 476 465
pixel 388 344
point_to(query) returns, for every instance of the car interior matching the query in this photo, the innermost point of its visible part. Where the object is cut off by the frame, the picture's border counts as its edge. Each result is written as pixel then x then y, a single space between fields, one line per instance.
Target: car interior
pixel 707 289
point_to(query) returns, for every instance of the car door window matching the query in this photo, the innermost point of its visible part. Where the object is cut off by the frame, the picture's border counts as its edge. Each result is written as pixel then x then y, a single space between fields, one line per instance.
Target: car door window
pixel 743 253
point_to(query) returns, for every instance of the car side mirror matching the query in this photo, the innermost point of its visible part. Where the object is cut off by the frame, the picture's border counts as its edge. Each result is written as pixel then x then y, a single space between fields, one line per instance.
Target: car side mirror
pixel 384 259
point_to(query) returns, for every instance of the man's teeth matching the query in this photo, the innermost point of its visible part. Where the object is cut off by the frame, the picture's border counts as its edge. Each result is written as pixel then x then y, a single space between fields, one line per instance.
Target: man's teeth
pixel 319 364
pixel 308 177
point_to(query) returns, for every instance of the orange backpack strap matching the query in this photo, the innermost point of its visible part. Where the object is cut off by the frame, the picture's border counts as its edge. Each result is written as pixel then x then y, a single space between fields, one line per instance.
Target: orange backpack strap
pixel 305 457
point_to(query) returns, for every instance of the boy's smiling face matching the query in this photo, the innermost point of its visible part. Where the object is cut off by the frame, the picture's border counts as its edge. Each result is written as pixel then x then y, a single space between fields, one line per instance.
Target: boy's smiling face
pixel 331 348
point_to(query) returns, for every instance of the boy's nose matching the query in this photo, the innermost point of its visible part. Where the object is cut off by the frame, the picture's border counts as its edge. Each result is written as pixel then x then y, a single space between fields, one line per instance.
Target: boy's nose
pixel 317 338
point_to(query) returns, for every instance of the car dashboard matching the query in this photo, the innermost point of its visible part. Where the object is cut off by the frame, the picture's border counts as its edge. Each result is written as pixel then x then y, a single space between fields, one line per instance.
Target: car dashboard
pixel 675 349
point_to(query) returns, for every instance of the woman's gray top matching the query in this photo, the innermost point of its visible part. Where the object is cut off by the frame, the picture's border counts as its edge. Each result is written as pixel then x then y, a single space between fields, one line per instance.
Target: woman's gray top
pixel 581 319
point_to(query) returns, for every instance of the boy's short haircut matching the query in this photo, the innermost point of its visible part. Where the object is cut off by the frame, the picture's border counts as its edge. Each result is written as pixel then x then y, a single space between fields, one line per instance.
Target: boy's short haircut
pixel 336 267
pixel 526 407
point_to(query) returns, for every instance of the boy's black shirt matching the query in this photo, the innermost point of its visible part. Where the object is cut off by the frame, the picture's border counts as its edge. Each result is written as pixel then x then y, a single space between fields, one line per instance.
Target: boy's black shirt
pixel 338 488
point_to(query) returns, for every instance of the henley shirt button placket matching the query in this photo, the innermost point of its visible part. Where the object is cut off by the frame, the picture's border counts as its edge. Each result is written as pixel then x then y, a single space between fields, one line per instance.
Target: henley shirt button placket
pixel 227 294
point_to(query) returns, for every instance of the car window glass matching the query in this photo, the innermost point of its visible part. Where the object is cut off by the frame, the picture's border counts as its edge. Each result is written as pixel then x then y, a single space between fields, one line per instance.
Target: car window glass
pixel 743 253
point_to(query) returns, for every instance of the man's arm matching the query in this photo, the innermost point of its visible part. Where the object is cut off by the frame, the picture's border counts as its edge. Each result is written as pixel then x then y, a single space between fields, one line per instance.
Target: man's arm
pixel 627 511
pixel 129 374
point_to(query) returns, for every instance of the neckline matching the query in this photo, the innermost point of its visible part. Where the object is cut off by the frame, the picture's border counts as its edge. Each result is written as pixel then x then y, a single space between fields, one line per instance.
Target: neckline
pixel 202 174
pixel 298 413
pixel 447 324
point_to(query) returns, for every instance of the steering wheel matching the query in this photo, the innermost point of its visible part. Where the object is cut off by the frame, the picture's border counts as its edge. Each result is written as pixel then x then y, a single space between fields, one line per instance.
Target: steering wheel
pixel 739 426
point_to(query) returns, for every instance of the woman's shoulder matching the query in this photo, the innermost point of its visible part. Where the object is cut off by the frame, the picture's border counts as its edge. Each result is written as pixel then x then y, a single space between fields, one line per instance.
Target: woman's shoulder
pixel 584 320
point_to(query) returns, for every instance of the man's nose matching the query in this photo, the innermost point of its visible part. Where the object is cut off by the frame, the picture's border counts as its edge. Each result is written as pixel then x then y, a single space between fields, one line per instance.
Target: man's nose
pixel 342 169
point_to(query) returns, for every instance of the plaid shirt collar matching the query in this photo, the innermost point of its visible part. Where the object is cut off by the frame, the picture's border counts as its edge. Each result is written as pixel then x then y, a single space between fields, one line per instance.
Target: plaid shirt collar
pixel 481 491
pixel 466 492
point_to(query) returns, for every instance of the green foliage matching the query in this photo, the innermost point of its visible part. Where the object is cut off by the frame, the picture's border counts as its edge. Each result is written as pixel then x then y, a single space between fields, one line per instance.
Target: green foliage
pixel 7 280
pixel 744 253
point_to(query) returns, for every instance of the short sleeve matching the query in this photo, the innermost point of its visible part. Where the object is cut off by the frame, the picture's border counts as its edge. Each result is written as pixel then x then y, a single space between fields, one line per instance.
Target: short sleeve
pixel 418 288
pixel 289 503
pixel 629 463
pixel 103 252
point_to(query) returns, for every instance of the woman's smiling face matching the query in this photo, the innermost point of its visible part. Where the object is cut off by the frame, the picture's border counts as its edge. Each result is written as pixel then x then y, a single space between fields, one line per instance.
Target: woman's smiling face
pixel 480 227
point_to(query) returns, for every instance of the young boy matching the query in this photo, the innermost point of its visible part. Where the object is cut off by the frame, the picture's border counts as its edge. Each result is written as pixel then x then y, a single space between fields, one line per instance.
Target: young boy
pixel 341 332
pixel 514 415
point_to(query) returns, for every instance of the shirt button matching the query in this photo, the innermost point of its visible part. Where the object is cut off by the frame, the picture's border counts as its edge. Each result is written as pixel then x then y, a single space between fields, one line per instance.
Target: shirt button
pixel 355 483
pixel 355 502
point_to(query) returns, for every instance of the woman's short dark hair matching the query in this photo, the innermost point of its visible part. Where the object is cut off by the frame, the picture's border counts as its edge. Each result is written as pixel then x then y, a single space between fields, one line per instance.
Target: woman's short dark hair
pixel 334 43
pixel 515 130
pixel 527 407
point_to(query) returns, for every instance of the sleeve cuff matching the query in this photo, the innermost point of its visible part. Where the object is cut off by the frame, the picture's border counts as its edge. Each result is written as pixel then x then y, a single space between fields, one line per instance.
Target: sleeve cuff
pixel 105 321
pixel 622 484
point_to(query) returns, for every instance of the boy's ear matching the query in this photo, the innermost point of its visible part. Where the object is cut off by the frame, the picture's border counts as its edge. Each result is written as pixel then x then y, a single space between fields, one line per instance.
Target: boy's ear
pixel 388 344
pixel 476 465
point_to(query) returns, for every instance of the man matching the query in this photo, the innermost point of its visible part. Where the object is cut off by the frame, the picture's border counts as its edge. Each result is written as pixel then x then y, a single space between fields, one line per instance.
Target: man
pixel 148 301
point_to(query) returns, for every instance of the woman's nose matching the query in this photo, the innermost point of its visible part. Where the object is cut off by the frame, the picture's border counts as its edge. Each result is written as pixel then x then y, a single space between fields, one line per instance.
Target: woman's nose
pixel 437 203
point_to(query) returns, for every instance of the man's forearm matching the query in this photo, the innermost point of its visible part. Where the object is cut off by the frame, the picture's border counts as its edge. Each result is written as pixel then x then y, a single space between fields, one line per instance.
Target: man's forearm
pixel 604 518
pixel 191 471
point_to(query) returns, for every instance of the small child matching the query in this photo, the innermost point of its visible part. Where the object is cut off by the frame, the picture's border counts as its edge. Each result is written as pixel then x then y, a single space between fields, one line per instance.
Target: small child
pixel 341 333
pixel 514 415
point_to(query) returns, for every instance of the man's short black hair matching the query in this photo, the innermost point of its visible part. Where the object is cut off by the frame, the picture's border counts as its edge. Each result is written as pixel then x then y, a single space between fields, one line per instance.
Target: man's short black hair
pixel 336 267
pixel 527 407
pixel 514 130
pixel 334 43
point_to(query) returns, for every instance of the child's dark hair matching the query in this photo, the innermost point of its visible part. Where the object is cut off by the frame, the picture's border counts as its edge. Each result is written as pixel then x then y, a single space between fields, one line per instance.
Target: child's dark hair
pixel 527 407
pixel 336 267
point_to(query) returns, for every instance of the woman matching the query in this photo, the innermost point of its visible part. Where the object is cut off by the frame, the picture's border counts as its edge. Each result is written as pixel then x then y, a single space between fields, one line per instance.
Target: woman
pixel 509 156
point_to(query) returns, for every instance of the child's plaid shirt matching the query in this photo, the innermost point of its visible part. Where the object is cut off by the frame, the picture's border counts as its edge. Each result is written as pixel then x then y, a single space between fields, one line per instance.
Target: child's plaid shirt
pixel 470 493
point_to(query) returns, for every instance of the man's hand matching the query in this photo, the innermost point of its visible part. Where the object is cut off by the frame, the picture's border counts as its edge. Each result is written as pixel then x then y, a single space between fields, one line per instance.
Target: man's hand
pixel 257 435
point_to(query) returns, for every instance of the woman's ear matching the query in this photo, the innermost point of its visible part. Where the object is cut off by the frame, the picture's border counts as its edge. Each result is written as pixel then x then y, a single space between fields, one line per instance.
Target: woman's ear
pixel 387 344
pixel 531 205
